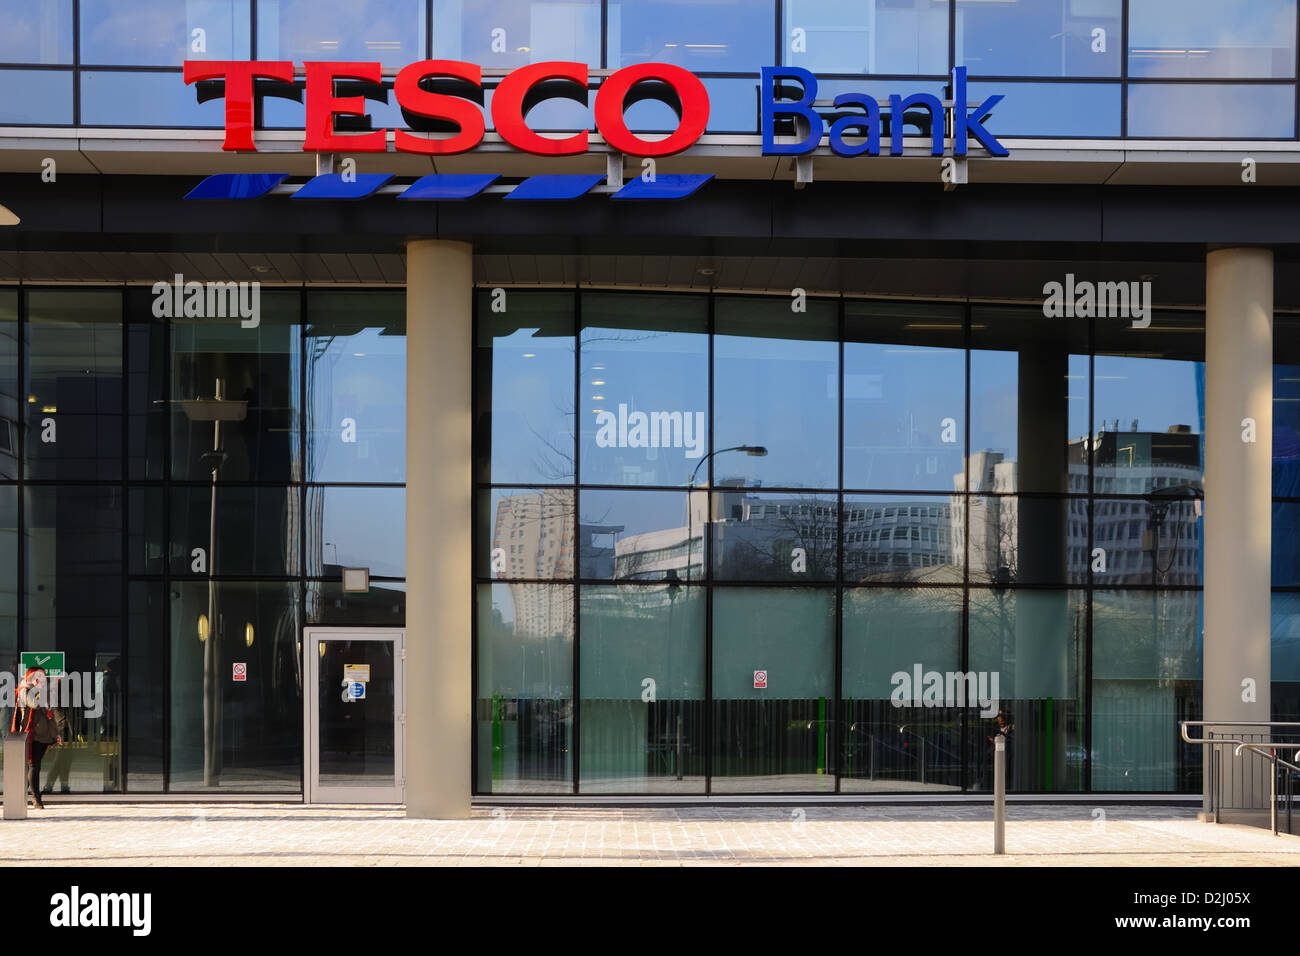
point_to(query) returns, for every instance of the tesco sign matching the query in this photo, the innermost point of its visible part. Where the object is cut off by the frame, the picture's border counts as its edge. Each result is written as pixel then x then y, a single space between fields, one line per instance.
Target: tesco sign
pixel 508 105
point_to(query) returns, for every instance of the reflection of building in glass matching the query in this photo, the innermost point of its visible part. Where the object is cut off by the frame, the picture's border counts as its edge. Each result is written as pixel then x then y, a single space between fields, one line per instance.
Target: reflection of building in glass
pixel 1147 465
pixel 534 533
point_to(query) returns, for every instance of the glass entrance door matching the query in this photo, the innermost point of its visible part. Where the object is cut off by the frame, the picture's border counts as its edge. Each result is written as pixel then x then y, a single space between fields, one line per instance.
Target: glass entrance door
pixel 356 715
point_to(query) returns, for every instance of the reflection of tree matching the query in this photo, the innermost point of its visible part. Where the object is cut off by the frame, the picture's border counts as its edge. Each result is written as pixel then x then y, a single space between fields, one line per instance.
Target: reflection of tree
pixel 763 548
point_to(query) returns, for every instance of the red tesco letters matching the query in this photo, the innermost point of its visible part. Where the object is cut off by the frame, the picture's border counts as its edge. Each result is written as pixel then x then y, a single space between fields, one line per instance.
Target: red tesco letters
pixel 508 99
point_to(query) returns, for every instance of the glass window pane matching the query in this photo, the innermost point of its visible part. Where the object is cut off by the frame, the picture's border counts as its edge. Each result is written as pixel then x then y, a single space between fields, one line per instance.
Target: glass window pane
pixel 10 400
pixel 1245 38
pixel 905 538
pixel 356 386
pixel 74 383
pixel 36 97
pixel 1028 540
pixel 704 36
pixel 526 533
pixel 73 538
pixel 904 396
pixel 642 689
pixel 642 535
pixel 1028 401
pixel 8 572
pixel 256 371
pixel 645 388
pixel 163 32
pixel 390 31
pixel 384 605
pixel 146 705
pixel 1199 111
pixel 525 382
pixel 1149 405
pixel 1284 661
pixel 525 688
pixel 146 382
pixel 356 527
pixel 776 391
pixel 147 547
pixel 776 738
pixel 1040 37
pixel 256 530
pixel 775 537
pixel 866 36
pixel 890 743
pixel 1146 677
pixel 1129 530
pixel 1051 109
pixel 1286 406
pixel 36 32
pixel 250 738
pixel 110 98
pixel 1031 645
pixel 502 34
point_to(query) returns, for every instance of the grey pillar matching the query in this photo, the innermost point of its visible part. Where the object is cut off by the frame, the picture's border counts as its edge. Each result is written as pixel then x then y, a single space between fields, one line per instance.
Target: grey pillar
pixel 1238 490
pixel 439 519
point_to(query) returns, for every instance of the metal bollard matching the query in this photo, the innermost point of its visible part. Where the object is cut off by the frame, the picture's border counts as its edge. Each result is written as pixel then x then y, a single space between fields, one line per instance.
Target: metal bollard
pixel 999 794
pixel 15 777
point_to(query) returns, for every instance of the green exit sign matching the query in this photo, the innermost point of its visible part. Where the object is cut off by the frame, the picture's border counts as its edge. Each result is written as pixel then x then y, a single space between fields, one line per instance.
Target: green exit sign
pixel 49 661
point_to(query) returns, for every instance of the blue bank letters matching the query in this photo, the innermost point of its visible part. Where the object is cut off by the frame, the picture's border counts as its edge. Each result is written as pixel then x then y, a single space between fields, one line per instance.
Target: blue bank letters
pixel 867 123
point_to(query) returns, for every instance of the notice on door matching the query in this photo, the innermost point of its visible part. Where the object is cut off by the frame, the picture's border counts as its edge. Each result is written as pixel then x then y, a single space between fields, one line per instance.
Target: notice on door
pixel 240 672
pixel 358 673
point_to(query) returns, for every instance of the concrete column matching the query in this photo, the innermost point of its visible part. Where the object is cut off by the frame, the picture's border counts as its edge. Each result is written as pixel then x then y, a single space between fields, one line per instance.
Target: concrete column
pixel 439 520
pixel 1238 487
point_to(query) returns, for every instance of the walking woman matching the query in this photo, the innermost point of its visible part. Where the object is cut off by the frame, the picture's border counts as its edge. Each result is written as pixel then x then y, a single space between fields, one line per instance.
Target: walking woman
pixel 33 718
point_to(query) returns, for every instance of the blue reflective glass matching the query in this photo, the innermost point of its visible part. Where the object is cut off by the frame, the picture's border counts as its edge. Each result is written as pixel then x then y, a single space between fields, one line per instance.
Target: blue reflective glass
pixel 644 389
pixel 1286 550
pixel 163 32
pixel 501 34
pixel 1149 404
pixel 1039 37
pixel 36 97
pixel 733 108
pixel 356 527
pixel 709 36
pixel 525 382
pixel 145 99
pixel 866 36
pixel 9 403
pixel 526 534
pixel 776 394
pixel 775 537
pixel 1285 663
pixel 1197 111
pixel 356 386
pixel 904 538
pixel 642 535
pixel 1052 109
pixel 1211 38
pixel 390 31
pixel 1286 408
pixel 36 32
pixel 904 396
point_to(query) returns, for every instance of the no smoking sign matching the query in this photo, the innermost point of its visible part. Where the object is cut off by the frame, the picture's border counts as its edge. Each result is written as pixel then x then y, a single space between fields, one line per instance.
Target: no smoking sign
pixel 241 672
pixel 760 680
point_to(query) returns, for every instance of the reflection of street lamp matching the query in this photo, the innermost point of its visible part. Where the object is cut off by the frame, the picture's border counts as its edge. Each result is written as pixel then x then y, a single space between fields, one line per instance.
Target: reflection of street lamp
pixel 217 409
pixel 753 451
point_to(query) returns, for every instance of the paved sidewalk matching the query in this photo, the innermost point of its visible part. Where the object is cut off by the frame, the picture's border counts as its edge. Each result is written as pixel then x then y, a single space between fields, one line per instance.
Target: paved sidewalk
pixel 280 834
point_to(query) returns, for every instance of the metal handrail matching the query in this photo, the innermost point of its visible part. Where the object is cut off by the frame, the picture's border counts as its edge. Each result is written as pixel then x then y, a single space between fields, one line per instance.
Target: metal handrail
pixel 1266 748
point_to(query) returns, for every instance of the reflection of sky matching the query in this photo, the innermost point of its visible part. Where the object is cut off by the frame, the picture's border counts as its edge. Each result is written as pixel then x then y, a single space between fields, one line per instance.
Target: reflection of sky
pixel 637 511
pixel 868 36
pixel 1052 38
pixel 1256 29
pixel 1157 392
pixel 532 402
pixel 1183 109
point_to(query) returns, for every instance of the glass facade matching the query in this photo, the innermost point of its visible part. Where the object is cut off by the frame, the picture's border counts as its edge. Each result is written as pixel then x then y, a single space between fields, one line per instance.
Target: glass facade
pixel 1069 68
pixel 157 542
pixel 857 529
